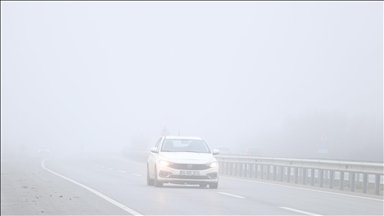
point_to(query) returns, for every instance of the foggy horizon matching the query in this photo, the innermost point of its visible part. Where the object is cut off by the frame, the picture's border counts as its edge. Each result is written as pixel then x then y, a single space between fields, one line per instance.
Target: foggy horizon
pixel 271 75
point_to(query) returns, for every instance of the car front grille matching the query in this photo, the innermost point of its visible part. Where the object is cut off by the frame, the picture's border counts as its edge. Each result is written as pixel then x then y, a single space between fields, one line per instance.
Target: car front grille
pixel 189 166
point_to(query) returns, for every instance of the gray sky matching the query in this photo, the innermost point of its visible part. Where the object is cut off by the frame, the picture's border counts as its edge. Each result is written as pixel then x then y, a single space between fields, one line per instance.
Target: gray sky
pixel 98 73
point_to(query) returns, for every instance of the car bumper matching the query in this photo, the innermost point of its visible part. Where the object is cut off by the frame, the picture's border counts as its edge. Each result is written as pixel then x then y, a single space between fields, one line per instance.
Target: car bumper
pixel 170 175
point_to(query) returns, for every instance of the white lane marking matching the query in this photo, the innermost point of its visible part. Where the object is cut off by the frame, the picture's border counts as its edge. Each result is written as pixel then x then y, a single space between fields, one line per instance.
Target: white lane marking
pixel 136 174
pixel 102 166
pixel 231 195
pixel 255 181
pixel 121 171
pixel 125 208
pixel 299 211
pixel 109 168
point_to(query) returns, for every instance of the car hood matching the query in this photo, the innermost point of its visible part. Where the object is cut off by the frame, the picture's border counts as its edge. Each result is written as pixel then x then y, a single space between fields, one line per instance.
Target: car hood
pixel 187 157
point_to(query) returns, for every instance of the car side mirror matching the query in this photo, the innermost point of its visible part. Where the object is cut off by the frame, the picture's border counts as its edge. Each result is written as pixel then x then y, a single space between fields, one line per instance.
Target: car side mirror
pixel 216 151
pixel 154 150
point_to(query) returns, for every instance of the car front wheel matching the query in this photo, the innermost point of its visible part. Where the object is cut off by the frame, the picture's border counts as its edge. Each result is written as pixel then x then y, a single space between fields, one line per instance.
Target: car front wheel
pixel 149 180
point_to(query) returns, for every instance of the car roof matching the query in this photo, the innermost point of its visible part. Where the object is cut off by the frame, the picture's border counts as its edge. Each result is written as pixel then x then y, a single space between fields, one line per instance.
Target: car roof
pixel 182 137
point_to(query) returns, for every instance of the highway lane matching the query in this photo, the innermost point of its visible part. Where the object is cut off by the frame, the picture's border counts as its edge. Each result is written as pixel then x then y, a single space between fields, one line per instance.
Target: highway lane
pixel 28 189
pixel 124 182
pixel 131 190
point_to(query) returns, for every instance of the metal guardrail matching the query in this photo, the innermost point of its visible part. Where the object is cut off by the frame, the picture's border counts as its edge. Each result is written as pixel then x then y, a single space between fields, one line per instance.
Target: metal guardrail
pixel 355 176
pixel 365 177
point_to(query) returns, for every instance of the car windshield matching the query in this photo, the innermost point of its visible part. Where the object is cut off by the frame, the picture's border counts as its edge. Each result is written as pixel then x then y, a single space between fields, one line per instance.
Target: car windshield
pixel 185 145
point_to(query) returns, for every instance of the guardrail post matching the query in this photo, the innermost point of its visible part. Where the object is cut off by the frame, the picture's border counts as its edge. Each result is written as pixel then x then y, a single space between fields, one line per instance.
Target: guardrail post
pixel 231 168
pixel 234 169
pixel 331 177
pixel 246 170
pixel 305 176
pixel 256 170
pixel 341 180
pixel 281 172
pixel 352 180
pixel 234 166
pixel 289 174
pixel 377 184
pixel 365 180
pixel 268 171
pixel 251 168
pixel 312 177
pixel 261 171
pixel 321 177
pixel 296 173
pixel 230 164
pixel 227 168
pixel 274 172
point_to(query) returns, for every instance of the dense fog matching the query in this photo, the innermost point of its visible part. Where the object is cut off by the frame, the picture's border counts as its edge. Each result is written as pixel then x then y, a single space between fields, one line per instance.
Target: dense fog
pixel 110 76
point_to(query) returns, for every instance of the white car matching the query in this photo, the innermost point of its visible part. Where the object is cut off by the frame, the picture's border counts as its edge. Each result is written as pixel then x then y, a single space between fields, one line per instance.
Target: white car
pixel 182 160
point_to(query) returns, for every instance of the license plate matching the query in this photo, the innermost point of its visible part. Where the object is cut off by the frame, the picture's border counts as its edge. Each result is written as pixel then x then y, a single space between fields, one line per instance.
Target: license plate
pixel 189 173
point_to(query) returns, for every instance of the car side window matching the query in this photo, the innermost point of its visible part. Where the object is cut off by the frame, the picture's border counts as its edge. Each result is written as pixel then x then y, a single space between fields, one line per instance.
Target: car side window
pixel 157 143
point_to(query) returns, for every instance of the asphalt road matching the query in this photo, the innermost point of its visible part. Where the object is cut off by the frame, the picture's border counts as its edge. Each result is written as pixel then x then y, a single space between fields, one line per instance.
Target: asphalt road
pixel 99 184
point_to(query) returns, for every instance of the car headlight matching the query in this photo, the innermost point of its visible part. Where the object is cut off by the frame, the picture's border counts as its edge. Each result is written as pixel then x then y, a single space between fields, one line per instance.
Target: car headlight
pixel 212 164
pixel 164 163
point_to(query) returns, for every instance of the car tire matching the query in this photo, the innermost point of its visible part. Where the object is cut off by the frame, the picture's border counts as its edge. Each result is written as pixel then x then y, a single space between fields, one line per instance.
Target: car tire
pixel 150 181
pixel 213 185
pixel 156 182
pixel 203 185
